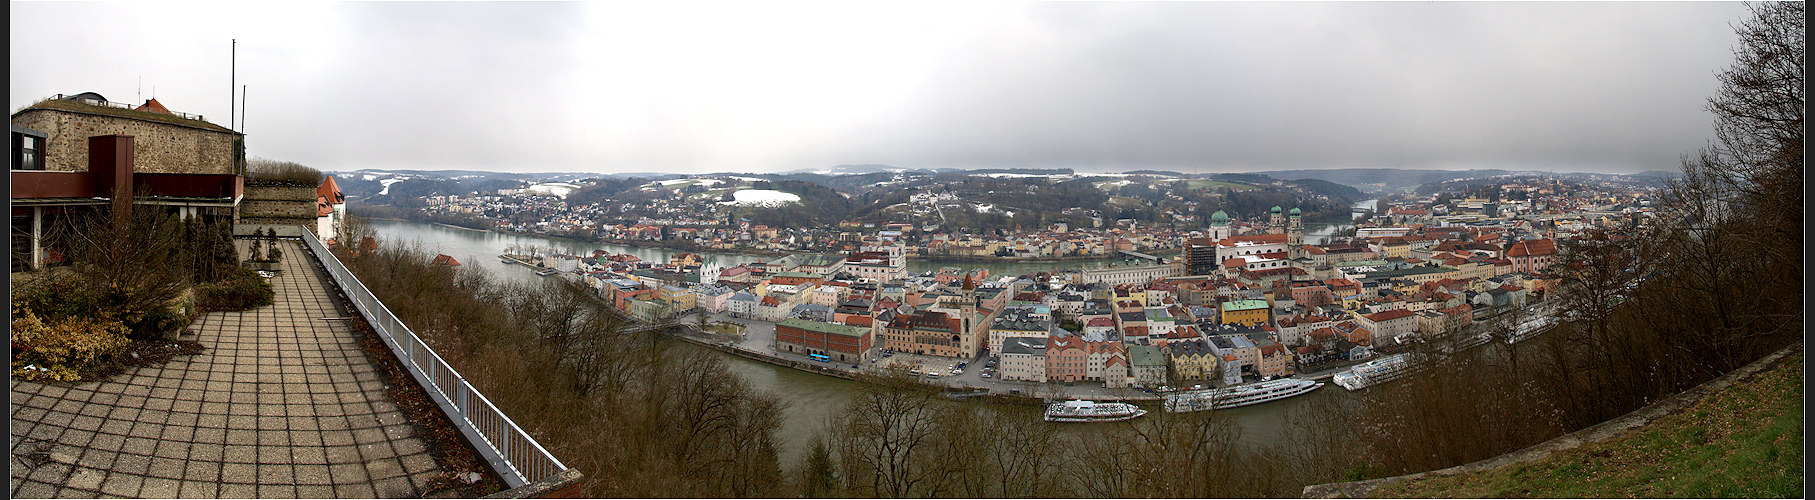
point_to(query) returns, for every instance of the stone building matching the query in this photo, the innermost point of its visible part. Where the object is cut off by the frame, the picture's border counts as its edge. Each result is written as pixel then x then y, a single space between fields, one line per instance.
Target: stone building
pixel 73 156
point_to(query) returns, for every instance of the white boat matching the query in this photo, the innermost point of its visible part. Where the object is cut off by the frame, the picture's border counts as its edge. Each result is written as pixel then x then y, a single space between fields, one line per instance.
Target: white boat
pixel 1468 343
pixel 546 272
pixel 1240 395
pixel 1373 372
pixel 1078 410
pixel 1530 329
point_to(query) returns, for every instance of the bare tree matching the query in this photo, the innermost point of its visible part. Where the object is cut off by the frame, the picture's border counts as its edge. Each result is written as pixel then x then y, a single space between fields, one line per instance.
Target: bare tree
pixel 884 439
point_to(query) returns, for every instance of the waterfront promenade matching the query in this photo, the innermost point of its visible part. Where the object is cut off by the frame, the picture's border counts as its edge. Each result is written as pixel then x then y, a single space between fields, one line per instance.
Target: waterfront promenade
pixel 283 404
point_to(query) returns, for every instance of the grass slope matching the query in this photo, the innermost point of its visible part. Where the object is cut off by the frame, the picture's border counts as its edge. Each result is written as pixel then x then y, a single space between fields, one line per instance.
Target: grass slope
pixel 1744 442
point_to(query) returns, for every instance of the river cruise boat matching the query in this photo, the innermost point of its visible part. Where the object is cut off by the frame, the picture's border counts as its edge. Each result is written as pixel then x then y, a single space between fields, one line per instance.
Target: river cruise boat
pixel 1240 395
pixel 1373 372
pixel 1469 342
pixel 1091 411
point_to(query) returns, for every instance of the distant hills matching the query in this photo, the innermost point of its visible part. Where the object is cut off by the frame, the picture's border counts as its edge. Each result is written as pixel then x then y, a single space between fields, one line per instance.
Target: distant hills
pixel 860 178
pixel 1388 179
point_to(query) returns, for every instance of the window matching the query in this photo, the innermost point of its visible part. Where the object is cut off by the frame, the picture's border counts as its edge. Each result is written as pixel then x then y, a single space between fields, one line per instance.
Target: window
pixel 28 152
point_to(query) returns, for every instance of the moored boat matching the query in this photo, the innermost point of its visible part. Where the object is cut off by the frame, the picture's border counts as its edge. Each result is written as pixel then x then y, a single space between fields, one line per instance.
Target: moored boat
pixel 1090 411
pixel 1373 372
pixel 1240 395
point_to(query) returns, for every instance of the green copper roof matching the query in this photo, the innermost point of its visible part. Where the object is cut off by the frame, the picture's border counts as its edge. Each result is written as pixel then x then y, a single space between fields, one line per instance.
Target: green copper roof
pixel 1295 211
pixel 1219 218
pixel 1244 305
pixel 1276 209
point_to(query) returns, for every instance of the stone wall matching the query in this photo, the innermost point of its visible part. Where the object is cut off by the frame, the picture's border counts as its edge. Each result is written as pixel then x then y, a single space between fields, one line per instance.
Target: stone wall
pixel 158 147
pixel 278 206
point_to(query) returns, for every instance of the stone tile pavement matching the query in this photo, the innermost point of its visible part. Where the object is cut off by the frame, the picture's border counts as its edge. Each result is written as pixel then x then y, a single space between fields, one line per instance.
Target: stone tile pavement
pixel 283 404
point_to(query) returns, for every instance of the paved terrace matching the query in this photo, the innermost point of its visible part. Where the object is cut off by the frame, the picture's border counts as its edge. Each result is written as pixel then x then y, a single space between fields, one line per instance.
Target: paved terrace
pixel 284 403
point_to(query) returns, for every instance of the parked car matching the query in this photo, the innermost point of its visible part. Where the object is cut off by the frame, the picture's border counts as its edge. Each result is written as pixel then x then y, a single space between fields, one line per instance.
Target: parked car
pixel 986 375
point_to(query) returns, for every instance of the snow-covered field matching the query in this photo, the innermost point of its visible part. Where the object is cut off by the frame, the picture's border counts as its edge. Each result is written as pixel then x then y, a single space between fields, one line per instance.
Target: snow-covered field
pixel 387 185
pixel 701 182
pixel 761 197
pixel 560 189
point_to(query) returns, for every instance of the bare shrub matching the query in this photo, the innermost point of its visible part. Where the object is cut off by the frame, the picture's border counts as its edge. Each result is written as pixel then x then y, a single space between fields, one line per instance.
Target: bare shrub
pixel 269 172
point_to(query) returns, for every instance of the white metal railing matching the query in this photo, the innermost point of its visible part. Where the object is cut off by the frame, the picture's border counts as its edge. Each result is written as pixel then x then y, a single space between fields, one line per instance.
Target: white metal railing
pixel 513 454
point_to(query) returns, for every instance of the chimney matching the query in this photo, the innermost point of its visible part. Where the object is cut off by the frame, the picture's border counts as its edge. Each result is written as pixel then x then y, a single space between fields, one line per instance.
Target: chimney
pixel 110 159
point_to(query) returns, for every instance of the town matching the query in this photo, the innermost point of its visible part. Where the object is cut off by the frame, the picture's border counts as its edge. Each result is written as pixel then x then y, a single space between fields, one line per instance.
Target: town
pixel 1241 300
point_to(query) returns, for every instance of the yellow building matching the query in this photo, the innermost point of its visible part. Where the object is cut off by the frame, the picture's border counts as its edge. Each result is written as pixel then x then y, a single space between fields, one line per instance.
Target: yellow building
pixel 1244 312
pixel 1192 360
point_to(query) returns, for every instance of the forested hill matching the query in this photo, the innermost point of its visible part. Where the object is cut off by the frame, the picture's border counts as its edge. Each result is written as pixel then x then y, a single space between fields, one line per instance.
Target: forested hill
pixel 979 200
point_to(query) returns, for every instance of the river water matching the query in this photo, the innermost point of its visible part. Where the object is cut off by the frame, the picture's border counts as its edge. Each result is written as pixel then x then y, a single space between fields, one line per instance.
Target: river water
pixel 811 399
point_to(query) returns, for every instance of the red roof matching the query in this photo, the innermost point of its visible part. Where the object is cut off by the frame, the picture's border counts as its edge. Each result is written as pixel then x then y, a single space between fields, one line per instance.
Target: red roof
pixel 154 106
pixel 1255 238
pixel 328 189
pixel 1530 248
pixel 1388 315
pixel 445 260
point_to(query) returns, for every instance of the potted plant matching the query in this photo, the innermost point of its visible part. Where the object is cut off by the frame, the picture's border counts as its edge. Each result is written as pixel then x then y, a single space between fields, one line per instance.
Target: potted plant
pixel 265 254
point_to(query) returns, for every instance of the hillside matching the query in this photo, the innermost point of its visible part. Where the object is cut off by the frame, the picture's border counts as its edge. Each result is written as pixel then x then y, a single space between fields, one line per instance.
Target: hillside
pixel 982 200
pixel 1744 441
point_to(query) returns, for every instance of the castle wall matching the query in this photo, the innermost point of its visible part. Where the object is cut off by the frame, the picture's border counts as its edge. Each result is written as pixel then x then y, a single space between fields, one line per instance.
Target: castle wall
pixel 160 147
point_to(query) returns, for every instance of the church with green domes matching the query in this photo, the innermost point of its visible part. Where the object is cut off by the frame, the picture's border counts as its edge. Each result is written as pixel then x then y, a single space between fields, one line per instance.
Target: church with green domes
pixel 1293 226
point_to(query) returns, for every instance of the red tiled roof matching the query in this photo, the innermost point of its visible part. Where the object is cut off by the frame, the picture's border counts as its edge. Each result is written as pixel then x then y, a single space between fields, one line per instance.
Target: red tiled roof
pixel 328 189
pixel 152 105
pixel 1388 315
pixel 1530 248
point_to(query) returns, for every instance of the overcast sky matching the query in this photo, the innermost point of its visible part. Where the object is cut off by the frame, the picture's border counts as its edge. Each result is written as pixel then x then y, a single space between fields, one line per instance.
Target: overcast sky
pixel 683 87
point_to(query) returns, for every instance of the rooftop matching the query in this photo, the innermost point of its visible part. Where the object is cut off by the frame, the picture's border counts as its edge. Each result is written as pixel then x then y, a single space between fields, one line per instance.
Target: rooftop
pixel 123 110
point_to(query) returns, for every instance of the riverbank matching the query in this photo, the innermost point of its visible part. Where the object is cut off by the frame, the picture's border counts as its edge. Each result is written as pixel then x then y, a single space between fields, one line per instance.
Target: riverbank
pixel 980 259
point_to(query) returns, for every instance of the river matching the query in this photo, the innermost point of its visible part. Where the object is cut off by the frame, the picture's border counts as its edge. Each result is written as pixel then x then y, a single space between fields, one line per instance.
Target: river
pixel 471 246
pixel 812 399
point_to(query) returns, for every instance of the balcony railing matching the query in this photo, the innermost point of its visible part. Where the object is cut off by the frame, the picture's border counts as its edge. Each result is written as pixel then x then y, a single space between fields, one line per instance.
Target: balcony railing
pixel 512 453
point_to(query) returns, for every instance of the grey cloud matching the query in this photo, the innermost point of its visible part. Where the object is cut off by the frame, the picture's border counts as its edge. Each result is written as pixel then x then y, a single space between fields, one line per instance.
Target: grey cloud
pixel 1204 86
pixel 1306 86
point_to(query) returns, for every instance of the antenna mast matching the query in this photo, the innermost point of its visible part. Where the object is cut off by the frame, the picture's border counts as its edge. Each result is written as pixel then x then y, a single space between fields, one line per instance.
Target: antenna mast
pixel 242 109
pixel 232 78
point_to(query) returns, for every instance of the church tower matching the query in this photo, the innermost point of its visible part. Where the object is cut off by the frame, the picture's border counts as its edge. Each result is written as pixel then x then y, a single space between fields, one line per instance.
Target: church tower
pixel 1278 223
pixel 968 341
pixel 1219 226
pixel 1295 235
